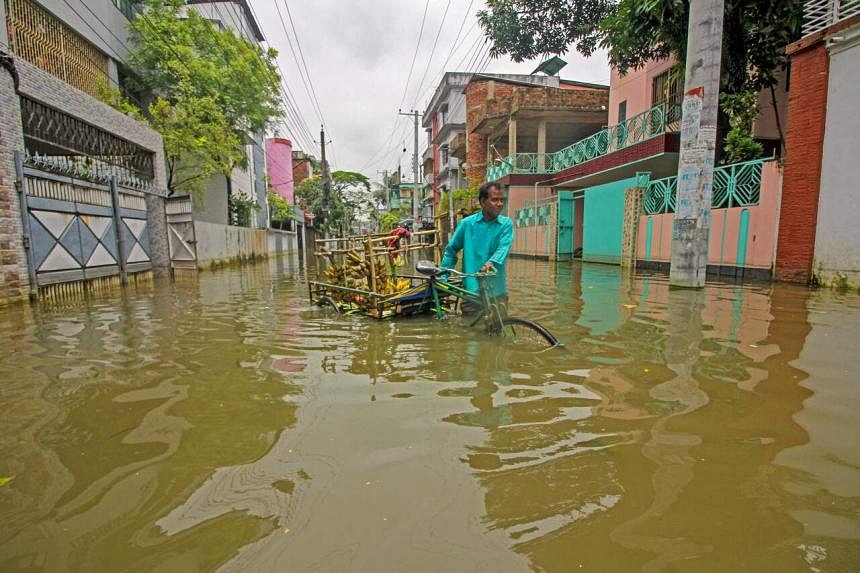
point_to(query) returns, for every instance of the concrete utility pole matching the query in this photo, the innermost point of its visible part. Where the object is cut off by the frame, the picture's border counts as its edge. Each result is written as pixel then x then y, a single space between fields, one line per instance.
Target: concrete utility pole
pixel 414 114
pixel 692 222
pixel 326 176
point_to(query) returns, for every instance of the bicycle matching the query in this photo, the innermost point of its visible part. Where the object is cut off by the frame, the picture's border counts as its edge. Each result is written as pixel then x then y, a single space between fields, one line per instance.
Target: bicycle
pixel 493 313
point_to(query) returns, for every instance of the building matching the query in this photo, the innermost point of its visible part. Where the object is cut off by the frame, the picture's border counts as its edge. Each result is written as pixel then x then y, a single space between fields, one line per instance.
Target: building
pixel 303 167
pixel 819 239
pixel 601 187
pixel 279 159
pixel 444 121
pixel 92 194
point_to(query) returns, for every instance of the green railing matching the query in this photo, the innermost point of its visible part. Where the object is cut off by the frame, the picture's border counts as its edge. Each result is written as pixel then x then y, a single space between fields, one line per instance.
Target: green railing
pixel 736 185
pixel 658 120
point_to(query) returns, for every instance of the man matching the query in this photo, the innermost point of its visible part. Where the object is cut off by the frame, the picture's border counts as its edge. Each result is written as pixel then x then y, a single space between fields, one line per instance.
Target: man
pixel 485 239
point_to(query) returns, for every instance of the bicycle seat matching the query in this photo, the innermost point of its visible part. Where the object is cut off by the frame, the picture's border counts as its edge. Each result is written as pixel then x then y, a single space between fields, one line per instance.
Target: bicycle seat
pixel 427 268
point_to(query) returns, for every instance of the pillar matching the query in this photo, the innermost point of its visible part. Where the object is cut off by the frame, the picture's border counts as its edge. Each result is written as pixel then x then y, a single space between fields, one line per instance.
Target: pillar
pixel 14 281
pixel 541 145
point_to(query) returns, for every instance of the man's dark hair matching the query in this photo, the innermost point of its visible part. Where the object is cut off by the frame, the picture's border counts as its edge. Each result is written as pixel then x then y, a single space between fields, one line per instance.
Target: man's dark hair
pixel 484 190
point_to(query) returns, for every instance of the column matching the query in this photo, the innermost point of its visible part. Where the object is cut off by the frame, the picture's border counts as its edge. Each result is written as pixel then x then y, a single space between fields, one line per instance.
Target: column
pixel 541 145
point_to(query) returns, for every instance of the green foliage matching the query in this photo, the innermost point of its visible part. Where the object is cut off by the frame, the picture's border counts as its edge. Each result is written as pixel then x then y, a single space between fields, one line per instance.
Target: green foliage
pixel 117 100
pixel 741 109
pixel 635 31
pixel 242 206
pixel 389 220
pixel 5 480
pixel 350 201
pixel 210 87
pixel 198 141
pixel 464 199
pixel 280 209
pixel 526 29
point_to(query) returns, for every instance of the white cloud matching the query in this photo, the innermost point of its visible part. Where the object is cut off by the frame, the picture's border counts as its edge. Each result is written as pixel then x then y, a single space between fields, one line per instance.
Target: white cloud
pixel 358 53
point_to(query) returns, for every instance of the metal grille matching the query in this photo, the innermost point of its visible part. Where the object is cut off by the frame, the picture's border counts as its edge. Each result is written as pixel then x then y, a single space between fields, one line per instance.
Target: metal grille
pixel 59 142
pixel 43 40
pixel 819 14
pixel 656 121
pixel 736 185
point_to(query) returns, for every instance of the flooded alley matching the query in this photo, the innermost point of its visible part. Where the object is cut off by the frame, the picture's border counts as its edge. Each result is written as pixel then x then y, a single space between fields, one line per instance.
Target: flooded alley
pixel 224 423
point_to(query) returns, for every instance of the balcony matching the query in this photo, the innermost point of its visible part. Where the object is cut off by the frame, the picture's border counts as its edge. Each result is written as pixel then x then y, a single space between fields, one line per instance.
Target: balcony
pixel 820 14
pixel 658 120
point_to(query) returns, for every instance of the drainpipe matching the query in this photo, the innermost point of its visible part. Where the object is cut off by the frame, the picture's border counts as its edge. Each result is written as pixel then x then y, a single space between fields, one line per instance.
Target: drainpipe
pixel 534 206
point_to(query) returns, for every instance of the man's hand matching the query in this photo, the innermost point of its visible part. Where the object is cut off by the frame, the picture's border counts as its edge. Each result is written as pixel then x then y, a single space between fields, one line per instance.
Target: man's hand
pixel 488 267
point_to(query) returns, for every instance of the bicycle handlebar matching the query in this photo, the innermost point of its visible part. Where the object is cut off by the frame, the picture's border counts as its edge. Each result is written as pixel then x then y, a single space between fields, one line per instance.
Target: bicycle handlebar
pixel 488 274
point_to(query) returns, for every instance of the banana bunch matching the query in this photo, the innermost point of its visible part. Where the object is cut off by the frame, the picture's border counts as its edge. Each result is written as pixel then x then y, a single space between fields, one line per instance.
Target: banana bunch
pixel 354 273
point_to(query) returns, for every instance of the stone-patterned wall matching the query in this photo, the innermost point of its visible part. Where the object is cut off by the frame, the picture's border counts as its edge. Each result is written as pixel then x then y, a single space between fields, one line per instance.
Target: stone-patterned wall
pixel 14 282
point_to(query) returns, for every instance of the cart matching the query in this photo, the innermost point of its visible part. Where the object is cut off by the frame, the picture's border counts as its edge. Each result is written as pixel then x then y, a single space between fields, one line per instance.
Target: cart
pixel 415 299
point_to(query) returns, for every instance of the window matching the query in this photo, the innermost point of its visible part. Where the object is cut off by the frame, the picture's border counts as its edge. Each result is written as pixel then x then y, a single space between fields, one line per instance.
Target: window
pixel 444 150
pixel 622 111
pixel 667 89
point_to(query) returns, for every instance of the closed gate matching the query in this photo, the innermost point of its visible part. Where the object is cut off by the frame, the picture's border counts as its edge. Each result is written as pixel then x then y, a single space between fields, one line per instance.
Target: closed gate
pixel 565 225
pixel 180 232
pixel 80 230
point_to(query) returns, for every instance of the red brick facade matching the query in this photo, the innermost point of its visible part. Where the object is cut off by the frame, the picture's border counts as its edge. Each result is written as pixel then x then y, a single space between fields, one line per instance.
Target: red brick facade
pixel 496 98
pixel 477 94
pixel 807 110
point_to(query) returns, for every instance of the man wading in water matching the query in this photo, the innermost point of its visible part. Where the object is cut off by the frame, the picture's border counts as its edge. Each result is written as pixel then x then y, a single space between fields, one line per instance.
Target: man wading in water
pixel 485 239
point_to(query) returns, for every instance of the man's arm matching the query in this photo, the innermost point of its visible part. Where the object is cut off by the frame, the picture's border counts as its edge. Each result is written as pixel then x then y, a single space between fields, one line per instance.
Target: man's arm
pixel 505 241
pixel 454 246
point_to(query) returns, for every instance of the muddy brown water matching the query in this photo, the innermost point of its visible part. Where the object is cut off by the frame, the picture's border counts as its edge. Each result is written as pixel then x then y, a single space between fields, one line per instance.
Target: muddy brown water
pixel 222 423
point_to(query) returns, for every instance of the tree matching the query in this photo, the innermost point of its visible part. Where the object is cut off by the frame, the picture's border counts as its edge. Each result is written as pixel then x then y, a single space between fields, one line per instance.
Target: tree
pixel 350 200
pixel 210 88
pixel 755 34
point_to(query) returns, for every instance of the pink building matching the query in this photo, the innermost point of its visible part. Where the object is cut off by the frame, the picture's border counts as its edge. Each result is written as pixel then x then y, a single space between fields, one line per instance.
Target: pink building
pixel 279 158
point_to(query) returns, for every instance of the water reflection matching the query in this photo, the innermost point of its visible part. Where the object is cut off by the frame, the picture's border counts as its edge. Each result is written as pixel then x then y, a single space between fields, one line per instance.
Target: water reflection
pixel 221 422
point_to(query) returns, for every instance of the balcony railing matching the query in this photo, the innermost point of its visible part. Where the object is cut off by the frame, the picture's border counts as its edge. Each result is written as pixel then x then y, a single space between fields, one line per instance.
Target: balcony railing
pixel 658 120
pixel 819 14
pixel 735 185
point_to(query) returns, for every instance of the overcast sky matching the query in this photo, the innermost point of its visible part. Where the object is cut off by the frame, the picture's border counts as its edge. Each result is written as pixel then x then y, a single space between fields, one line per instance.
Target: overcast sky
pixel 358 54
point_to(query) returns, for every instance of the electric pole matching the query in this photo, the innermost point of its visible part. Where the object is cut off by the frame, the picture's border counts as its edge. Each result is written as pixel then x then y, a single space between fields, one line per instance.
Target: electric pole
pixel 326 176
pixel 692 222
pixel 387 200
pixel 414 115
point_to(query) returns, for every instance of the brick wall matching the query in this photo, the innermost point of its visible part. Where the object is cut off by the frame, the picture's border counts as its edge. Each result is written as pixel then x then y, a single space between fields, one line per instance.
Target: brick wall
pixel 14 283
pixel 493 98
pixel 807 110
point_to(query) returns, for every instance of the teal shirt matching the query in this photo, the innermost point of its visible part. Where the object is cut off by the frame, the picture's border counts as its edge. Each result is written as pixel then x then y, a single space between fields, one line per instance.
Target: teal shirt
pixel 481 241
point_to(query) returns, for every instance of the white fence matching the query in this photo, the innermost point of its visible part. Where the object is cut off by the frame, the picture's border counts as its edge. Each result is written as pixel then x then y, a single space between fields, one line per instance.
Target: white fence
pixel 819 14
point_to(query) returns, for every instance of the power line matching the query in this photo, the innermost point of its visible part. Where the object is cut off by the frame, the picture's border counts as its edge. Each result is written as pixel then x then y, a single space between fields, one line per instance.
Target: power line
pixel 415 55
pixel 308 84
pixel 432 52
pixel 303 135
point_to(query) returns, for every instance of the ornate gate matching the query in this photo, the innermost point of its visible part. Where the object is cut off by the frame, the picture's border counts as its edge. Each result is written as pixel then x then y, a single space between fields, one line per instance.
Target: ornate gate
pixel 80 230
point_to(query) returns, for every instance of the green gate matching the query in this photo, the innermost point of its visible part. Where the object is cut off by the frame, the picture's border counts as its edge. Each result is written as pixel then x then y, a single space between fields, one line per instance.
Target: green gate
pixel 566 214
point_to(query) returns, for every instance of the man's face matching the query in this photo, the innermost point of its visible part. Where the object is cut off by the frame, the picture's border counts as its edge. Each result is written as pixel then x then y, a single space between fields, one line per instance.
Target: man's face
pixel 493 205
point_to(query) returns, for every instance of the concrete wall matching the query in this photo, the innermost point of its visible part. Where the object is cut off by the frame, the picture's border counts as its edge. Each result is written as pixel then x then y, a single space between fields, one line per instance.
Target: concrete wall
pixel 654 241
pixel 532 240
pixel 225 244
pixel 634 88
pixel 603 221
pixel 837 238
pixel 105 27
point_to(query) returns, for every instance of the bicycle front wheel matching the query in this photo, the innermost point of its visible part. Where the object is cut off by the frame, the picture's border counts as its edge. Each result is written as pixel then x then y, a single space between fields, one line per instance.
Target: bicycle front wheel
pixel 526 331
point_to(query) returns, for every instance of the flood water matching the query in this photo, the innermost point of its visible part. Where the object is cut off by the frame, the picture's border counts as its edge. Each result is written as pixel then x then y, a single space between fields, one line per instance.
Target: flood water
pixel 222 423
